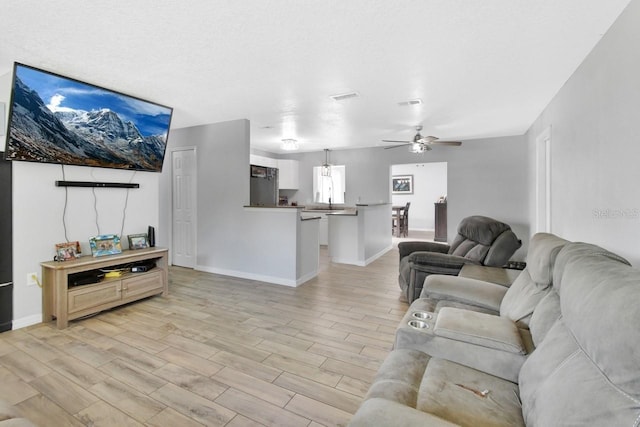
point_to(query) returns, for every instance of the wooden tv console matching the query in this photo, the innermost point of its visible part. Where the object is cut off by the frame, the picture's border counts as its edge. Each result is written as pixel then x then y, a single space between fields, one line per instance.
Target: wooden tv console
pixel 66 303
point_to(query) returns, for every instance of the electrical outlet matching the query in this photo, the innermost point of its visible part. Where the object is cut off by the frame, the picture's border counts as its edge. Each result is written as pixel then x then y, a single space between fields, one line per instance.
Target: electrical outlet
pixel 31 279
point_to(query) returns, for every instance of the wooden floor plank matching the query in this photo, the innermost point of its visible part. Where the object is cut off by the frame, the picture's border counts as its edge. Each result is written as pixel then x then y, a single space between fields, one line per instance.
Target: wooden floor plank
pixel 217 350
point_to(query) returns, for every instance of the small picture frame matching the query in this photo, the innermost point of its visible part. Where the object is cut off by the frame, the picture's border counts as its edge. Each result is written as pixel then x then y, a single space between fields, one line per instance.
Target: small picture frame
pixel 105 244
pixel 67 251
pixel 402 184
pixel 138 241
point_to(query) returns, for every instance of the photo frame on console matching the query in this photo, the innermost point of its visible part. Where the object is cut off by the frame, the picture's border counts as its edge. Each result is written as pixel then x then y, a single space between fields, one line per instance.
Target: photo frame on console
pixel 67 251
pixel 105 244
pixel 138 241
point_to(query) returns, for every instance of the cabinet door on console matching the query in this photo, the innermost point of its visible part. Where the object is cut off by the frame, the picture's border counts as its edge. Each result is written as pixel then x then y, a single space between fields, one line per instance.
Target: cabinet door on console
pixel 84 297
pixel 137 286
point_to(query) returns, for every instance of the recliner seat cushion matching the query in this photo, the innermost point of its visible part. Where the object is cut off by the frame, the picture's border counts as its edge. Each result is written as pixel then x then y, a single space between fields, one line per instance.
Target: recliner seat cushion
pixel 480 329
pixel 450 391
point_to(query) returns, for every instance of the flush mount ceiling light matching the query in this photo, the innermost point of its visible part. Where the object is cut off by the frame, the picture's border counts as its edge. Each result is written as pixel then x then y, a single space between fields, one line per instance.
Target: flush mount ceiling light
pixel 326 167
pixel 410 102
pixel 344 96
pixel 289 144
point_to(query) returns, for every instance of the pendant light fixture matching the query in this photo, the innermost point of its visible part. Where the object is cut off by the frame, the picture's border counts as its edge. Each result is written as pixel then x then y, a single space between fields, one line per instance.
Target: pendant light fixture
pixel 326 167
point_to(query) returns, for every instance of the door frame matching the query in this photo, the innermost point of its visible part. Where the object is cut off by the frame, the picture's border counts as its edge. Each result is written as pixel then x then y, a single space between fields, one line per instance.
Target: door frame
pixel 543 181
pixel 195 200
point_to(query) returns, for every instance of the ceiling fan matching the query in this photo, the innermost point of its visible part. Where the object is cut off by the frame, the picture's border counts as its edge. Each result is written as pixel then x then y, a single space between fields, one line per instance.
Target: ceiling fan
pixel 420 143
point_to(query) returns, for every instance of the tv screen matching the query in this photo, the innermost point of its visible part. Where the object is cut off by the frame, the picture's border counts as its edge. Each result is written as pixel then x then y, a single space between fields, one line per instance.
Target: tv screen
pixel 56 119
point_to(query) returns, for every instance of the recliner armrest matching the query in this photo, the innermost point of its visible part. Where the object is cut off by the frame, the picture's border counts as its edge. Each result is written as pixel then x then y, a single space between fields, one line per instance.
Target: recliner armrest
pixel 464 290
pixel 406 248
pixel 481 329
pixel 438 261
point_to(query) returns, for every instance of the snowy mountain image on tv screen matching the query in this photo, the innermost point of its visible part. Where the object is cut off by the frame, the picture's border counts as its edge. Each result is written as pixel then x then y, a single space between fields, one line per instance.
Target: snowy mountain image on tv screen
pixel 55 119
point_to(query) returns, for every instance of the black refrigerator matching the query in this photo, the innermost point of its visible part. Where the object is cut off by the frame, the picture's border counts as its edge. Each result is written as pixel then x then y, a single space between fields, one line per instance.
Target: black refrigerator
pixel 6 255
pixel 264 186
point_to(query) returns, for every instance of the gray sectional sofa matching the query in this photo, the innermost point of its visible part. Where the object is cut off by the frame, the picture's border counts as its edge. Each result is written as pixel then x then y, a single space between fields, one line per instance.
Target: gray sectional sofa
pixel 580 367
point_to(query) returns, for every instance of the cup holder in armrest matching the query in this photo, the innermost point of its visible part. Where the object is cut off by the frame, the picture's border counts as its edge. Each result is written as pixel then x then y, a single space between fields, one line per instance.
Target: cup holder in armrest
pixel 422 315
pixel 418 324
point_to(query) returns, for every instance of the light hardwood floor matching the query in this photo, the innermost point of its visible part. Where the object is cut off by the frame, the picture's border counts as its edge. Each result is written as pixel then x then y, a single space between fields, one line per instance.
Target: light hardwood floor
pixel 216 351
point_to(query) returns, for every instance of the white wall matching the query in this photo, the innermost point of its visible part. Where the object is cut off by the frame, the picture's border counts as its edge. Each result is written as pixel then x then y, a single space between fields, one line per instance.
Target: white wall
pixel 595 144
pixel 429 184
pixel 38 207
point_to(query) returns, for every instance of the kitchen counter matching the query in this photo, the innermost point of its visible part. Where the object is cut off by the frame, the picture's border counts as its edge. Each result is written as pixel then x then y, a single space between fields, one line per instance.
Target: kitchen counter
pixel 296 259
pixel 360 236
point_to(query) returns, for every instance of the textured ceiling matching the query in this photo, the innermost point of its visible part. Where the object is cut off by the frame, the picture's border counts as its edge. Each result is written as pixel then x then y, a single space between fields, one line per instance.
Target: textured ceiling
pixel 481 68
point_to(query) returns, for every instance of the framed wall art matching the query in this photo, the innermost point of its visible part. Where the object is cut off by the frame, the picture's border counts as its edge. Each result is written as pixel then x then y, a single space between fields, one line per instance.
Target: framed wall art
pixel 402 184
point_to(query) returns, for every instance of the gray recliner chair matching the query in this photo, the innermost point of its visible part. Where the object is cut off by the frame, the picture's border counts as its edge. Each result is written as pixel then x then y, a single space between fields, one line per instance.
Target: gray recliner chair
pixel 480 240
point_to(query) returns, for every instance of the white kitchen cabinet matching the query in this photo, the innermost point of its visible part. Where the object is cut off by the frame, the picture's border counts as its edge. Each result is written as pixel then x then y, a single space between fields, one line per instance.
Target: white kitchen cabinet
pixel 288 174
pixel 263 161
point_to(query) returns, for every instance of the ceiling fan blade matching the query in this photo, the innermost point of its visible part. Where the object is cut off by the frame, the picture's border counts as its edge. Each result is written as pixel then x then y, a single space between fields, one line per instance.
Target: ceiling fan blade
pixel 427 139
pixel 452 143
pixel 396 146
pixel 391 140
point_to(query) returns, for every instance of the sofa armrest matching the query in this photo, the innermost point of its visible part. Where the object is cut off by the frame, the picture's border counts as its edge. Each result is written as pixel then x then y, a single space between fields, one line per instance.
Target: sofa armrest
pixel 434 262
pixel 480 329
pixel 464 290
pixel 406 248
pixel 382 412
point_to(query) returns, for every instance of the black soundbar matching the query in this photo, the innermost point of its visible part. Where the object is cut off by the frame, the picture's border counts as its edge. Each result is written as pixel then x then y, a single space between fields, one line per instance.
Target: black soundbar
pixel 96 184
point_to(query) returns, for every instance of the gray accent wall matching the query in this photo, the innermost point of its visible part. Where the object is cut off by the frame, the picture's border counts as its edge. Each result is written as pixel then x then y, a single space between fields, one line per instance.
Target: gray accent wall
pixel 485 177
pixel 222 155
pixel 595 144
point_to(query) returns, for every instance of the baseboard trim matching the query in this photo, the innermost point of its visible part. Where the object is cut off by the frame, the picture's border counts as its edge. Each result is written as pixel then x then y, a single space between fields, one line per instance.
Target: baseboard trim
pixel 27 321
pixel 258 277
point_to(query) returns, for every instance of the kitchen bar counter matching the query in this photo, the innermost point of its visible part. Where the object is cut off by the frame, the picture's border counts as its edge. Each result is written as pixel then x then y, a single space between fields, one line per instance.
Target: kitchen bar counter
pixel 296 259
pixel 361 236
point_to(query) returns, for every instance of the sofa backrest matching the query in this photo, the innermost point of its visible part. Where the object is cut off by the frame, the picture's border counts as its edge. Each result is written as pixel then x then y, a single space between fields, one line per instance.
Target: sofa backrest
pixel 485 240
pixel 586 370
pixel 534 282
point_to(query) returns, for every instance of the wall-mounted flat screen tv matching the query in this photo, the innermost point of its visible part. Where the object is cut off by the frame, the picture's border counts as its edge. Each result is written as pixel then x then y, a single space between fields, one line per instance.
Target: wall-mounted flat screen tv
pixel 56 119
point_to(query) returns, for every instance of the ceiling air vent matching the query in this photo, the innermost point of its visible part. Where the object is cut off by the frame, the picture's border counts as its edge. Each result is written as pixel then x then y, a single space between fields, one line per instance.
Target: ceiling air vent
pixel 410 102
pixel 344 96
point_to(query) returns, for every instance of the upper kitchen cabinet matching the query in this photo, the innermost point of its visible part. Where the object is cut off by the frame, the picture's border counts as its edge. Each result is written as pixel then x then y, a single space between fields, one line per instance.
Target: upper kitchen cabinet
pixel 263 161
pixel 288 174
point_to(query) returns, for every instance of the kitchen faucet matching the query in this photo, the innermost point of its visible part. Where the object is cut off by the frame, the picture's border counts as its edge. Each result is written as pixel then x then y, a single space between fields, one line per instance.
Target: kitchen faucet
pixel 330 203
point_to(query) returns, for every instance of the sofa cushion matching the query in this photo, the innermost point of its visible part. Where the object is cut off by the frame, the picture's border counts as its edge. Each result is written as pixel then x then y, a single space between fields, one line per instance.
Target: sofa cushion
pixel 481 229
pixel 453 392
pixel 398 378
pixel 543 250
pixel 479 329
pixel 535 280
pixel 544 316
pixel 586 370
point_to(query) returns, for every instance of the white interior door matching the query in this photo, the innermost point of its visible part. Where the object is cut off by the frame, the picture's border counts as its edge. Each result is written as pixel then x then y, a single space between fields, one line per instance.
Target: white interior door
pixel 543 181
pixel 184 205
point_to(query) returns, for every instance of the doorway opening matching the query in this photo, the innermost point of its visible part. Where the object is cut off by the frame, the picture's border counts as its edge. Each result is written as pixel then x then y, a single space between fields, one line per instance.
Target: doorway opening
pixel 428 187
